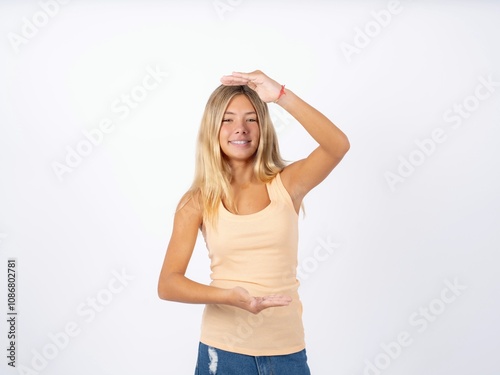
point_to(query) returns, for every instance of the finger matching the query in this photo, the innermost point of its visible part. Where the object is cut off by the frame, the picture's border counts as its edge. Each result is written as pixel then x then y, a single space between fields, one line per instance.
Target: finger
pixel 234 78
pixel 278 296
pixel 250 76
pixel 276 300
pixel 242 75
pixel 266 304
pixel 253 76
pixel 230 80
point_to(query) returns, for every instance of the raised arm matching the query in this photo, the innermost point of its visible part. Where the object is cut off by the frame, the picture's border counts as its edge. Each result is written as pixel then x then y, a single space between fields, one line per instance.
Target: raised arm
pixel 303 175
pixel 173 285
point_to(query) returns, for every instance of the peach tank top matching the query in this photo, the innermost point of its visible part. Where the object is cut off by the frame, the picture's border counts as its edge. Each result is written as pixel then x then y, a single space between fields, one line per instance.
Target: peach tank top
pixel 259 253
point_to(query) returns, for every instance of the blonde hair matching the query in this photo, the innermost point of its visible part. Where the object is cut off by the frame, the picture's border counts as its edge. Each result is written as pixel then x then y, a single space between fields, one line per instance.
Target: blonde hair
pixel 212 172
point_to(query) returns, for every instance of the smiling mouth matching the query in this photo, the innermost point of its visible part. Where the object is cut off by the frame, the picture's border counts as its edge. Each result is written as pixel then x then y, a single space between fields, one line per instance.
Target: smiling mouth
pixel 239 142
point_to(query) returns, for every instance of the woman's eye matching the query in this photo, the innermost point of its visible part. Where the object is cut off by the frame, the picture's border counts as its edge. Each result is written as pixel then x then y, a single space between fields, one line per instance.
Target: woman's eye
pixel 226 120
pixel 252 119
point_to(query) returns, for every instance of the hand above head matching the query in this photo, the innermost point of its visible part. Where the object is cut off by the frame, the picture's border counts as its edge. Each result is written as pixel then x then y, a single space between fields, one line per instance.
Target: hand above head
pixel 242 299
pixel 268 89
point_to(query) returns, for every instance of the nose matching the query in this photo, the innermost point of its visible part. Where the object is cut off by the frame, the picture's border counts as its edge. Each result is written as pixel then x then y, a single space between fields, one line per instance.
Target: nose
pixel 241 127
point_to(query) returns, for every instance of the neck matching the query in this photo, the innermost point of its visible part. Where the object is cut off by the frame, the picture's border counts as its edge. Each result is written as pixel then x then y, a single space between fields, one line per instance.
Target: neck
pixel 242 173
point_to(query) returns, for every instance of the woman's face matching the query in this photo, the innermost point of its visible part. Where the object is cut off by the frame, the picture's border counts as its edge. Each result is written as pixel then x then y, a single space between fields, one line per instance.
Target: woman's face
pixel 239 133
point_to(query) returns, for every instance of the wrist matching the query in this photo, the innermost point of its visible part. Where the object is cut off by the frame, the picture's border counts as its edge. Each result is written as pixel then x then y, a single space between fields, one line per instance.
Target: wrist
pixel 229 297
pixel 281 93
pixel 286 98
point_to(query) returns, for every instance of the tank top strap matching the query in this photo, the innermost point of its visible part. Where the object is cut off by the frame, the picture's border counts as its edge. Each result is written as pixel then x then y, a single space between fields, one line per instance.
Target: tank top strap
pixel 278 193
pixel 272 190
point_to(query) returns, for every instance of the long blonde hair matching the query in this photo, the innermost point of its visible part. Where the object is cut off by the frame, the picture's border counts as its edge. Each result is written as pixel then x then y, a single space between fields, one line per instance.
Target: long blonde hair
pixel 212 178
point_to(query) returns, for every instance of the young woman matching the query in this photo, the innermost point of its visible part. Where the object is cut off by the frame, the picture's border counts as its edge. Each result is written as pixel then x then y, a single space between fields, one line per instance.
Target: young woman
pixel 245 201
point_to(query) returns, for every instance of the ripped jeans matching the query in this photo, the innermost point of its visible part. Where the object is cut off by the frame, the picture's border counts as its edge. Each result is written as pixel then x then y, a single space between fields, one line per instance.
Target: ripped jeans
pixel 213 361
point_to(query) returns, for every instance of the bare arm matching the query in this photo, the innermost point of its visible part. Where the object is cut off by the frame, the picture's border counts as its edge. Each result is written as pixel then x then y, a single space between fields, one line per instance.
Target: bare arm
pixel 173 285
pixel 303 175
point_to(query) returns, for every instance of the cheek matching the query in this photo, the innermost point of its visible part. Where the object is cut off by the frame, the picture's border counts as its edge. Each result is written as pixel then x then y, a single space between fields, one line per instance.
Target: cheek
pixel 223 138
pixel 257 132
pixel 222 134
pixel 225 131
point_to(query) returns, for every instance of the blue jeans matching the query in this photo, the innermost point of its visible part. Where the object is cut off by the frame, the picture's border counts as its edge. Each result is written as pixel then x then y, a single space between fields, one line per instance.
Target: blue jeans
pixel 213 361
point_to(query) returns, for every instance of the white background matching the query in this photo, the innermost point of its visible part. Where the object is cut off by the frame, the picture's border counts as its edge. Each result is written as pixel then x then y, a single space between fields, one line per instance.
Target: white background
pixel 395 249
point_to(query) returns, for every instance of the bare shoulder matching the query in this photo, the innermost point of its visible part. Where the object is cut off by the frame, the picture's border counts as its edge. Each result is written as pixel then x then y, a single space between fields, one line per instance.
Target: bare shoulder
pixel 187 220
pixel 190 207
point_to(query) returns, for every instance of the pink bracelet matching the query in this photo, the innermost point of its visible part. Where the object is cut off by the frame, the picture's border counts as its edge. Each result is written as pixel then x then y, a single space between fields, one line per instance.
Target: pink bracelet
pixel 282 92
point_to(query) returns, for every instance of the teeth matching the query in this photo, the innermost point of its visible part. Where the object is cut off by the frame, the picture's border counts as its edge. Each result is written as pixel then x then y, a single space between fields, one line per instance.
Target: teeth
pixel 239 142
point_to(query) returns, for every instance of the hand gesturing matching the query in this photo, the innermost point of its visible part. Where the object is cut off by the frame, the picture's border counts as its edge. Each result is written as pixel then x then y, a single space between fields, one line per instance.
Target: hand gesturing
pixel 244 300
pixel 267 89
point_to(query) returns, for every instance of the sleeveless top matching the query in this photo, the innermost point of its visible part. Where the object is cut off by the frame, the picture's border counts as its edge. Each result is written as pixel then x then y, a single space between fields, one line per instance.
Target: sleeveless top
pixel 259 253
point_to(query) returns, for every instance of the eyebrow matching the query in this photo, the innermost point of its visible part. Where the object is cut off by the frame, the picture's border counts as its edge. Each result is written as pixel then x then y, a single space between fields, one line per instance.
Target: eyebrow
pixel 246 113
